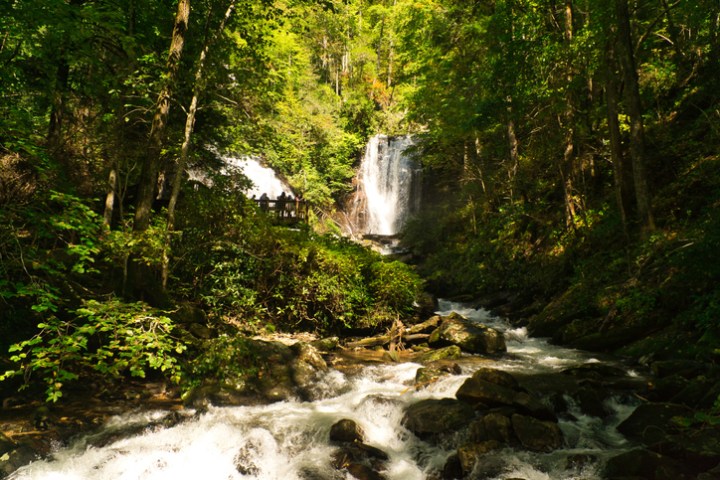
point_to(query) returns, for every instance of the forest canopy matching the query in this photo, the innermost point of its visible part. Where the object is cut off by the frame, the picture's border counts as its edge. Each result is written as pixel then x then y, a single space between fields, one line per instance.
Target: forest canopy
pixel 570 156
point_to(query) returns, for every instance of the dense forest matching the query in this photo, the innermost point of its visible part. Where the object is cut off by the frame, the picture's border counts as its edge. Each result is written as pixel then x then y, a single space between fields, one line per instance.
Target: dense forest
pixel 570 151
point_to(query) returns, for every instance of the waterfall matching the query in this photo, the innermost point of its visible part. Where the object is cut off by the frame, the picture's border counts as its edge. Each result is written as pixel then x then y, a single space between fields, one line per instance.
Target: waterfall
pixel 263 180
pixel 388 187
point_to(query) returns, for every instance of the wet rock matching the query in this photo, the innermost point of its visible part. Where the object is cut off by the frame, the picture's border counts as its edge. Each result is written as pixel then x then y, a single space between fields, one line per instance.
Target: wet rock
pixel 591 402
pixel 493 426
pixel 435 416
pixel 346 430
pixel 537 435
pixel 16 458
pixel 431 373
pixel 470 337
pixel 363 472
pixel 452 352
pixel 452 468
pixel 306 365
pixel 652 422
pixel 498 377
pixel 475 391
pixel 644 464
pixel 6 444
pixel 468 455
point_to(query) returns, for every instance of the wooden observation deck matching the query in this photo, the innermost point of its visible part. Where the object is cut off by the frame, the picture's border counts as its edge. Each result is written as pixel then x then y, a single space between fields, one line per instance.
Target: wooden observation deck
pixel 284 211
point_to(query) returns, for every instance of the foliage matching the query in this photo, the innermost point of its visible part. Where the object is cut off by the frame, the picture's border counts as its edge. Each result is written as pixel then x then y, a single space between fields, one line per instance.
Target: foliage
pixel 107 339
pixel 224 359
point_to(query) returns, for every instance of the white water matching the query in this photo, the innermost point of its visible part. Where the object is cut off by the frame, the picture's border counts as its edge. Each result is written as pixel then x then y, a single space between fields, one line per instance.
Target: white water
pixel 263 179
pixel 389 181
pixel 289 440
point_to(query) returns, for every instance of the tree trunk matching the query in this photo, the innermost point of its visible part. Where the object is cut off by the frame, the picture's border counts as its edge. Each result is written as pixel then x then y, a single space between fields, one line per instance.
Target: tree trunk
pixel 568 167
pixel 189 125
pixel 151 166
pixel 110 198
pixel 624 190
pixel 57 112
pixel 513 147
pixel 634 108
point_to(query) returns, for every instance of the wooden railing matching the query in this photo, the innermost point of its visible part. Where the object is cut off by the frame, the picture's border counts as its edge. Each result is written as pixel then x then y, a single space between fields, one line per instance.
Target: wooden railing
pixel 286 211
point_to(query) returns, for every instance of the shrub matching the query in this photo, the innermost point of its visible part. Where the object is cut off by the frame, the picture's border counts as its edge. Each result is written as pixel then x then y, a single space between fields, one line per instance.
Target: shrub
pixel 104 339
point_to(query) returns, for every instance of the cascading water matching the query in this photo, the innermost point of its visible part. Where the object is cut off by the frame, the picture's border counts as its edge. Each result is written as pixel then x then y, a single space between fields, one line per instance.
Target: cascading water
pixel 263 180
pixel 289 440
pixel 388 186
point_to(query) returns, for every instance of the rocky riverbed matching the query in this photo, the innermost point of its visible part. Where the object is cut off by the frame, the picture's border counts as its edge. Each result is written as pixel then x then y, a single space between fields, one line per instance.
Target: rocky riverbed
pixel 497 402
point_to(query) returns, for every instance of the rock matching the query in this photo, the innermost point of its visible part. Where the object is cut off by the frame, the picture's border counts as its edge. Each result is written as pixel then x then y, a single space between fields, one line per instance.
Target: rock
pixel 685 368
pixel 470 337
pixel 432 372
pixel 644 464
pixel 452 352
pixel 346 430
pixel 363 472
pixel 186 313
pixel 199 330
pixel 652 422
pixel 326 344
pixel 497 377
pixel 435 416
pixel 537 435
pixel 493 426
pixel 591 402
pixel 452 468
pixel 699 447
pixel 6 444
pixel 468 455
pixel 306 365
pixel 712 474
pixel 14 459
pixel 475 391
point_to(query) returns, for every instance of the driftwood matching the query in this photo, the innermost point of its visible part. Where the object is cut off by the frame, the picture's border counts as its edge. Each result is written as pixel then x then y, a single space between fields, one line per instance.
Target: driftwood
pixel 426 326
pixel 382 340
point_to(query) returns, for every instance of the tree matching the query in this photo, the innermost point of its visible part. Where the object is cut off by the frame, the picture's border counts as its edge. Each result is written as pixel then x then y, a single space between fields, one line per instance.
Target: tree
pixel 151 166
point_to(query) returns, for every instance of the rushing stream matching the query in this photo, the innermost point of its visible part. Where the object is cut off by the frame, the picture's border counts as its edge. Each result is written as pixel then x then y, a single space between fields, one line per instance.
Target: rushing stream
pixel 289 440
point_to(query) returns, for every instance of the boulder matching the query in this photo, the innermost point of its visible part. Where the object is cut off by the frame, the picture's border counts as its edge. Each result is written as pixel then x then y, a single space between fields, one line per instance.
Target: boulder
pixel 326 344
pixel 468 455
pixel 436 416
pixel 537 435
pixel 346 430
pixel 452 352
pixel 652 422
pixel 432 372
pixel 493 426
pixel 497 377
pixel 6 444
pixel 475 391
pixel 641 463
pixel 469 336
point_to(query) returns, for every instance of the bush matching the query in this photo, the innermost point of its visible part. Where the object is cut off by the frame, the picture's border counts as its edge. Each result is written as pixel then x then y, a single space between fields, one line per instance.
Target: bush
pixel 105 340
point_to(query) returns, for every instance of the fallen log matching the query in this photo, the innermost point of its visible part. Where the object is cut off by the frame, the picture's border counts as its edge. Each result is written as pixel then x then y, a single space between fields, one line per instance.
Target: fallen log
pixel 382 340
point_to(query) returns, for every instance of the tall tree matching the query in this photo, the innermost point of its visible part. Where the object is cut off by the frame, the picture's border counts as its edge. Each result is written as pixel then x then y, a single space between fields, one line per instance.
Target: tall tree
pixel 626 58
pixel 151 165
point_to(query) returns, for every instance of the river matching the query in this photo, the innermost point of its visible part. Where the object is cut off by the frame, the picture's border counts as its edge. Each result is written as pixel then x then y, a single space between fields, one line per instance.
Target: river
pixel 289 440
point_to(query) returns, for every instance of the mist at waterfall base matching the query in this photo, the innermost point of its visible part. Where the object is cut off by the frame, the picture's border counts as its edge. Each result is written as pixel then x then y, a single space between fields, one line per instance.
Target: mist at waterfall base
pixel 290 440
pixel 389 188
